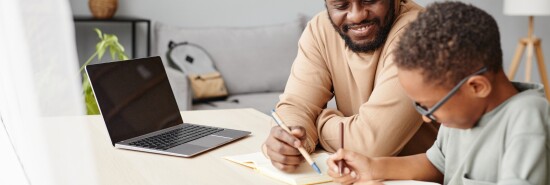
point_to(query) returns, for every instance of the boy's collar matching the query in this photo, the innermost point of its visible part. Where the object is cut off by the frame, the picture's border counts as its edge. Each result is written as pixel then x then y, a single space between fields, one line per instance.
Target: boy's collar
pixel 523 86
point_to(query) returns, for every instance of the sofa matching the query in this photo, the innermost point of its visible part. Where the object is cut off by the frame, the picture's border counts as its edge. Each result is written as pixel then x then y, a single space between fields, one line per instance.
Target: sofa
pixel 255 62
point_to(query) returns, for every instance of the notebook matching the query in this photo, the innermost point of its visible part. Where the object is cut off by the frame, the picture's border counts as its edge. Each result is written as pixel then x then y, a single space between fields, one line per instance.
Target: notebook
pixel 140 111
pixel 303 175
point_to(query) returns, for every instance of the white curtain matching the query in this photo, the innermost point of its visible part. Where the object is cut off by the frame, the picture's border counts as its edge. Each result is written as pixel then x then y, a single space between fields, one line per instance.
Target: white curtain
pixel 38 80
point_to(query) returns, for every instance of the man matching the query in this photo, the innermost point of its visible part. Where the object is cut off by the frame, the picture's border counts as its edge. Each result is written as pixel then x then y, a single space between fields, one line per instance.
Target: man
pixel 345 52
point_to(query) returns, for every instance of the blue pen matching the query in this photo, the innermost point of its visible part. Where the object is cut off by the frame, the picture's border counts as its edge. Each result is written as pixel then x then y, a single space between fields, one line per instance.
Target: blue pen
pixel 301 149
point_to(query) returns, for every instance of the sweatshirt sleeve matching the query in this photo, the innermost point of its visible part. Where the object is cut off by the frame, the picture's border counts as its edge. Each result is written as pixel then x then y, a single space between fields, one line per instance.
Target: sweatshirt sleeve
pixel 384 124
pixel 526 157
pixel 308 88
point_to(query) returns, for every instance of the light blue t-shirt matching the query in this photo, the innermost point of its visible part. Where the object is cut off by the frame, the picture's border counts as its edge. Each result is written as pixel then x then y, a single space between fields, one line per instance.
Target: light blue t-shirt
pixel 509 145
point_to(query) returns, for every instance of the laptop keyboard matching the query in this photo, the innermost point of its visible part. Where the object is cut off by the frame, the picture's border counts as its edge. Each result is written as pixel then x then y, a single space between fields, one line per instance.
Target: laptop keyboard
pixel 175 137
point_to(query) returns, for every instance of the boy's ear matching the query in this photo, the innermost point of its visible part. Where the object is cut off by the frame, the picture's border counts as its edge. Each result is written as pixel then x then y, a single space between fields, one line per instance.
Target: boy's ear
pixel 479 86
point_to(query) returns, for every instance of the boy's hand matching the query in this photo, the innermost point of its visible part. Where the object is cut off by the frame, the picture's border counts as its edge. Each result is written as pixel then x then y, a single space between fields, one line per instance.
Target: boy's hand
pixel 282 148
pixel 357 167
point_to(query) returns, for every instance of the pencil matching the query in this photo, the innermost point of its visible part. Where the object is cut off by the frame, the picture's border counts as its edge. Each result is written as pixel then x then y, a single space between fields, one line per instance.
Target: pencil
pixel 341 162
pixel 301 149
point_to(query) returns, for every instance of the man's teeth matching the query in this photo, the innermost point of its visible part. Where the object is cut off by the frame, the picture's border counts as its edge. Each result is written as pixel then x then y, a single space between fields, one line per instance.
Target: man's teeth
pixel 359 28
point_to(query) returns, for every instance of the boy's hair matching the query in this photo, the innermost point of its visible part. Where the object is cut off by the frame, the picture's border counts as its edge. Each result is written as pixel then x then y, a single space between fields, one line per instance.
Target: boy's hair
pixel 449 41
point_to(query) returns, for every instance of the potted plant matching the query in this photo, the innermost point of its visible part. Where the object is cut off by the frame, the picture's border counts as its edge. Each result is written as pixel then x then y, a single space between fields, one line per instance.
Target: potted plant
pixel 106 41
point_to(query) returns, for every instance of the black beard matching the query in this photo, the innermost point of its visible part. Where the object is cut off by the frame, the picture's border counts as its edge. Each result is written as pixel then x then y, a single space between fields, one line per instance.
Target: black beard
pixel 380 37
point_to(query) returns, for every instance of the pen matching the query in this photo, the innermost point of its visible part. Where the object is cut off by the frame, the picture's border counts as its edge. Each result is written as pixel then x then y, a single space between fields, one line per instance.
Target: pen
pixel 301 149
pixel 341 162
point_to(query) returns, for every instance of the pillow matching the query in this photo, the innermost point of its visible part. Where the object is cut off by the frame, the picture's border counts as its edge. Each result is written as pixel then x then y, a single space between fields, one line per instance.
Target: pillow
pixel 250 59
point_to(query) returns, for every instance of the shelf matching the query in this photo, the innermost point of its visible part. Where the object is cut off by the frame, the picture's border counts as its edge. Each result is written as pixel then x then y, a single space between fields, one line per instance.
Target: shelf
pixel 122 19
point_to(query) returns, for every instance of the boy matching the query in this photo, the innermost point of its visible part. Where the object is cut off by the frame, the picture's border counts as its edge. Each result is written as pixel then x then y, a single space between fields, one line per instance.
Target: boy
pixel 493 131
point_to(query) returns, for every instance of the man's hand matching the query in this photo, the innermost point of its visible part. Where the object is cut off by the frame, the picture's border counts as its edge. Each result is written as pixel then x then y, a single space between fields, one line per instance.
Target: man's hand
pixel 282 147
pixel 357 167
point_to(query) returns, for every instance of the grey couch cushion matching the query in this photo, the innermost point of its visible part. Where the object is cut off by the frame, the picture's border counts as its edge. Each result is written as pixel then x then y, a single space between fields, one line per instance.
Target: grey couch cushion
pixel 253 59
pixel 263 102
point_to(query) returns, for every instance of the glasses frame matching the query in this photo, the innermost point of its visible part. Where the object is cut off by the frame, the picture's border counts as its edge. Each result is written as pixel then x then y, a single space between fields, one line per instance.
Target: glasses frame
pixel 429 112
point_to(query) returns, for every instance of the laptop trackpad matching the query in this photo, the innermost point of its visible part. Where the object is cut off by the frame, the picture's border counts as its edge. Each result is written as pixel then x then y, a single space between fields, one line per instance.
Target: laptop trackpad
pixel 210 141
pixel 187 149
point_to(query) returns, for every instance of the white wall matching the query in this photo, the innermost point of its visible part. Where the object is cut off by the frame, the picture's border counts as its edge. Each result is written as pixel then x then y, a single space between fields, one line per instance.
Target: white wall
pixel 201 13
pixel 190 13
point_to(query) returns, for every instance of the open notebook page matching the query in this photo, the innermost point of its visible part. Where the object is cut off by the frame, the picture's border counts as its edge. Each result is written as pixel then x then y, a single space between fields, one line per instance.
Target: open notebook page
pixel 303 175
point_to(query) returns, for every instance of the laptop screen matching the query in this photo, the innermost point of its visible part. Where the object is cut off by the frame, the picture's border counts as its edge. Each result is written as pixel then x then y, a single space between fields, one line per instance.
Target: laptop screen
pixel 134 97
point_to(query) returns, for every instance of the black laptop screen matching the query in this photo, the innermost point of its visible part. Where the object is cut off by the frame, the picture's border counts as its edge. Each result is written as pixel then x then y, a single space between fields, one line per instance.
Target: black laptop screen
pixel 134 97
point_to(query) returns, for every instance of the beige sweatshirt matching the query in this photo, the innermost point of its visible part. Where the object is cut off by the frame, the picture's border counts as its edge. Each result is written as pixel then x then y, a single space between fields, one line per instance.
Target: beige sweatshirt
pixel 379 118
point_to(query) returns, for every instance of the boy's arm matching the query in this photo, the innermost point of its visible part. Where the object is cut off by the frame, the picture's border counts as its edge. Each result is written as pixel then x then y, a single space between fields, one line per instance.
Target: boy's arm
pixel 359 168
pixel 526 159
pixel 414 167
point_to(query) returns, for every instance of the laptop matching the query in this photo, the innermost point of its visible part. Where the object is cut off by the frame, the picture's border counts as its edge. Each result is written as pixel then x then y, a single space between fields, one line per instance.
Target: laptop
pixel 141 113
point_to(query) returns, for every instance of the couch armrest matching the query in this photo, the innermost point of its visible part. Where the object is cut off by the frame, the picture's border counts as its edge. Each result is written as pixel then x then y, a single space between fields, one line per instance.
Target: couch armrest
pixel 180 87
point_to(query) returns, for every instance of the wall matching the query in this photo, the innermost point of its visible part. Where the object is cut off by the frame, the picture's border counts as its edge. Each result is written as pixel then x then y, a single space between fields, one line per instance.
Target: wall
pixel 189 13
pixel 237 13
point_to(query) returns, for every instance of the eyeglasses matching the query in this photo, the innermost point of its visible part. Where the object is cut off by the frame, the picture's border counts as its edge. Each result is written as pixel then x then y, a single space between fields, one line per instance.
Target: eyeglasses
pixel 429 112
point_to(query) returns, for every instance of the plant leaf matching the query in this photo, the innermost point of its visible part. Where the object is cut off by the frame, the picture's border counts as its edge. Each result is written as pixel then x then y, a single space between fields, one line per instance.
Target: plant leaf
pixel 100 47
pixel 116 49
pixel 85 82
pixel 110 38
pixel 87 62
pixel 89 98
pixel 91 104
pixel 120 47
pixel 99 34
pixel 113 52
pixel 114 38
pixel 122 56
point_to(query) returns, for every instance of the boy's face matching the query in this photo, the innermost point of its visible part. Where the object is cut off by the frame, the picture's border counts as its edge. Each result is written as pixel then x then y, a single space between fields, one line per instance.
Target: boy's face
pixel 461 110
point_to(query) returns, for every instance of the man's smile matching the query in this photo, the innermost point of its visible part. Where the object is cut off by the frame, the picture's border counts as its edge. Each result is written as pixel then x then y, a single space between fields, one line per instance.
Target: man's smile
pixel 360 31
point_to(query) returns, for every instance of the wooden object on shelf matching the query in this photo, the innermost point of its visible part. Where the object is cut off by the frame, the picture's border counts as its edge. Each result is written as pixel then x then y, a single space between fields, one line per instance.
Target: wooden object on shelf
pixel 103 9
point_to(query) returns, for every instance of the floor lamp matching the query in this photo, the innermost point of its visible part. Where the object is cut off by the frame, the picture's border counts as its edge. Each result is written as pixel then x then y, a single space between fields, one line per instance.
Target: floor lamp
pixel 532 43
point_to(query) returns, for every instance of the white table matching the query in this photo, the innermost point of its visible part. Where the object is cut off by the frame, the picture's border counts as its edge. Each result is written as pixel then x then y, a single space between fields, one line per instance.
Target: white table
pixel 117 166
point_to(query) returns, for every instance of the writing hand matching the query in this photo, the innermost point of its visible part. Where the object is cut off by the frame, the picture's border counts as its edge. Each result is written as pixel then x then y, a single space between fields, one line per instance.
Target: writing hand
pixel 281 147
pixel 358 167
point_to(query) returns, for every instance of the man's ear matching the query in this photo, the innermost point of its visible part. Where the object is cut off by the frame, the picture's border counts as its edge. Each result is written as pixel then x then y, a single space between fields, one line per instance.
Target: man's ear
pixel 479 86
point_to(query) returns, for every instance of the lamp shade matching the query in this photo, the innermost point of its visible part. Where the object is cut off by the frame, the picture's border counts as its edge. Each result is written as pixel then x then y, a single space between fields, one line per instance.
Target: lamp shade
pixel 527 7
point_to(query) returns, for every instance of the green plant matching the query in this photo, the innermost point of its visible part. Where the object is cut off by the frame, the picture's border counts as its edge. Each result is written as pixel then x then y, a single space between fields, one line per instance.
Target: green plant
pixel 109 41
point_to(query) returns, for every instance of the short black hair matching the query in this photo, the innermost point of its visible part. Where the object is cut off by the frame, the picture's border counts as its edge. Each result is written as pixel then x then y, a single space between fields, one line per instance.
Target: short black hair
pixel 449 41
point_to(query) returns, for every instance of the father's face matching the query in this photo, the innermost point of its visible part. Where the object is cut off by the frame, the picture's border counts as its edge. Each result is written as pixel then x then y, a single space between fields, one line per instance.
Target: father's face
pixel 363 24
